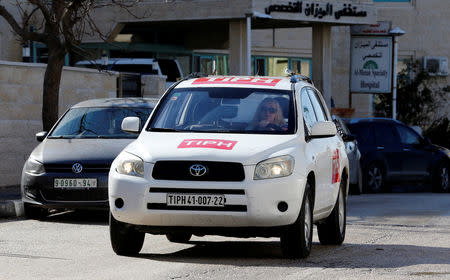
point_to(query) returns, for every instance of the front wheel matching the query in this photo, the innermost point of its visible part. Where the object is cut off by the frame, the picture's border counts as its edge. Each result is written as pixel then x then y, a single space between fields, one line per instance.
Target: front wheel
pixel 125 240
pixel 296 241
pixel 332 230
pixel 441 178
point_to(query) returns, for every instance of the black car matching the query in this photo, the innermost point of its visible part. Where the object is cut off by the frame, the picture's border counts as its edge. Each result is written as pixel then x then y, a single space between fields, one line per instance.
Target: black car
pixel 393 152
pixel 69 169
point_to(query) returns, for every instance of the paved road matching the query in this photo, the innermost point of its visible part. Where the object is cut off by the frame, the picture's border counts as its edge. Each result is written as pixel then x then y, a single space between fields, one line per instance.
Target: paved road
pixel 389 236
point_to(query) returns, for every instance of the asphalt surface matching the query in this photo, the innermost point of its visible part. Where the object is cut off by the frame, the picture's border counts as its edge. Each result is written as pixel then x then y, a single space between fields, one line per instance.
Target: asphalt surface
pixel 389 236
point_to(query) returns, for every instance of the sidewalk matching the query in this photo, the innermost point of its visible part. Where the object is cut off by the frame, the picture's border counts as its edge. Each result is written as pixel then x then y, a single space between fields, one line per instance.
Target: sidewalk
pixel 11 205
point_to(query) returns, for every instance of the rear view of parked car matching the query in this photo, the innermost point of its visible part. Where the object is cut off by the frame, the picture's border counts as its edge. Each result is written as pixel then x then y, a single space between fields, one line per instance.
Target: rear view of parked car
pixel 353 154
pixel 394 152
pixel 69 169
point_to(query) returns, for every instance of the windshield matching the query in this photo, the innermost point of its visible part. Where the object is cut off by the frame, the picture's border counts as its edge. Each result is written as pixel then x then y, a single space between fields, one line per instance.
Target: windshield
pixel 226 110
pixel 98 122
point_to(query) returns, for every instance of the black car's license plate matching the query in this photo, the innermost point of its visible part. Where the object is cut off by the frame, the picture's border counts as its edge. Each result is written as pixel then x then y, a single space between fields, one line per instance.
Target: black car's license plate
pixel 78 183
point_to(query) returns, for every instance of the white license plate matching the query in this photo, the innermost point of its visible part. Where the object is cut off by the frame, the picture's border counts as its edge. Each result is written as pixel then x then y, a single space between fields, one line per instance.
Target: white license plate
pixel 207 200
pixel 79 183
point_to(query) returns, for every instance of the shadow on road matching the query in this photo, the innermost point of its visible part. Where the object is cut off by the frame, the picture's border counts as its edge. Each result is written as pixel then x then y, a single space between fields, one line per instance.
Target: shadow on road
pixel 243 253
pixel 84 217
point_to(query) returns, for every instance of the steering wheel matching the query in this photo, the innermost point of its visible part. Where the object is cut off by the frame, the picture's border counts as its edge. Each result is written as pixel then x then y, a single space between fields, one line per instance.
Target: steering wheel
pixel 273 127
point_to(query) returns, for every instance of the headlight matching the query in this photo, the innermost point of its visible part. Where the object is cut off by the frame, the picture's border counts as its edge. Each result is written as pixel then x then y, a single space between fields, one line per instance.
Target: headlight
pixel 274 168
pixel 33 166
pixel 129 164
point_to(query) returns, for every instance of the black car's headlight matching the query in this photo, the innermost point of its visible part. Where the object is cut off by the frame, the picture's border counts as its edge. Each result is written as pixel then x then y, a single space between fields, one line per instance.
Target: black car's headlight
pixel 274 168
pixel 34 167
pixel 129 164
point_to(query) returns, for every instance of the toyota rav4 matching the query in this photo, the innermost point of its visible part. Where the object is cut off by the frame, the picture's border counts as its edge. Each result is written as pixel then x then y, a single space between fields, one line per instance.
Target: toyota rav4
pixel 232 156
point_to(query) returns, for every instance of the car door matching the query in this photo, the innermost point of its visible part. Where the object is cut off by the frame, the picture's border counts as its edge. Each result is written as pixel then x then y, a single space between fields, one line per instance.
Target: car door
pixel 416 156
pixel 388 149
pixel 330 157
pixel 316 150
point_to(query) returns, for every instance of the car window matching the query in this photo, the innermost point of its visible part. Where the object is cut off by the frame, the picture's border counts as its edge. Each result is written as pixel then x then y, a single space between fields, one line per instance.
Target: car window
pixel 97 122
pixel 363 132
pixel 308 109
pixel 318 108
pixel 407 136
pixel 226 110
pixel 385 135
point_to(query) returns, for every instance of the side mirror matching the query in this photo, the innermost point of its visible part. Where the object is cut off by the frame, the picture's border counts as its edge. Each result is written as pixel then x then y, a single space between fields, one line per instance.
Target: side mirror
pixel 131 125
pixel 323 129
pixel 40 136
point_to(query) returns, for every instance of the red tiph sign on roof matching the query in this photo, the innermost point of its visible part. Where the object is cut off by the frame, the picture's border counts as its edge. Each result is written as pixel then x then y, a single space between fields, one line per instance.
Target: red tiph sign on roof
pixel 257 81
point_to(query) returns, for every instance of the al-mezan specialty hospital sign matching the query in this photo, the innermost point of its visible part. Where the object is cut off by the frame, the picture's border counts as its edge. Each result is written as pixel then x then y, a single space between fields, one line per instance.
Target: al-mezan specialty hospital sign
pixel 371 64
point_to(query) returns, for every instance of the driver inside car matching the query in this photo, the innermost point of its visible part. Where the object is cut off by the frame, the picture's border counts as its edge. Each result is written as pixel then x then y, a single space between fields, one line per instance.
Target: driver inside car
pixel 269 116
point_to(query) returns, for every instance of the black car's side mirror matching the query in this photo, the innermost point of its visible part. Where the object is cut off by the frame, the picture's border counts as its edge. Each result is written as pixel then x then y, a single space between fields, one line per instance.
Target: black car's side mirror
pixel 40 136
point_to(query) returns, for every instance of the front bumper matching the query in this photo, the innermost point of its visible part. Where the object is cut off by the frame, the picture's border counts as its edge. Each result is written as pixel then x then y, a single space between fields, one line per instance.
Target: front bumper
pixel 38 190
pixel 249 203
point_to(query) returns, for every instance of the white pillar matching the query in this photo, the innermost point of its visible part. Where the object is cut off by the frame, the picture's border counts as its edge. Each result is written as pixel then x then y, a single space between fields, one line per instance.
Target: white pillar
pixel 240 46
pixel 322 60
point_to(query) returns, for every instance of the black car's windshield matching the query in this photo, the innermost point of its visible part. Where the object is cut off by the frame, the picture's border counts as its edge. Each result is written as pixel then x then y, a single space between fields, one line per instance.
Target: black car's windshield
pixel 97 122
pixel 226 110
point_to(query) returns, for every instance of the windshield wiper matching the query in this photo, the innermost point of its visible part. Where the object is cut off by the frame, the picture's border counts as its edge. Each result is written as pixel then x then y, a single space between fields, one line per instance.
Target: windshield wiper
pixel 60 137
pixel 160 129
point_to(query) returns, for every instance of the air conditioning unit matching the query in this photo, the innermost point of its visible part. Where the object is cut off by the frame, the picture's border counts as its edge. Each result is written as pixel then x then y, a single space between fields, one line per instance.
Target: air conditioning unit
pixel 435 65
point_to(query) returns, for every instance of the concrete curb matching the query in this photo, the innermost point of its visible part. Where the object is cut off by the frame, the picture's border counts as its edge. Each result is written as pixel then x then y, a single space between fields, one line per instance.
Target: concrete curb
pixel 11 209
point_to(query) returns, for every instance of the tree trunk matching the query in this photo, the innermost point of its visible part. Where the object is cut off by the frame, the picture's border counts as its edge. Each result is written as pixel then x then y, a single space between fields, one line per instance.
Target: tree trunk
pixel 52 81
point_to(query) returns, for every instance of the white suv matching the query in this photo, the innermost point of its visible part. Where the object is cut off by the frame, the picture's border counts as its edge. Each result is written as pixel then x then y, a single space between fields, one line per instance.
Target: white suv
pixel 232 156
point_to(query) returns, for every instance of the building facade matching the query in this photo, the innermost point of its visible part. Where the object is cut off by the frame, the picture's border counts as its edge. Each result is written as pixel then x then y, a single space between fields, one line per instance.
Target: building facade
pixel 264 37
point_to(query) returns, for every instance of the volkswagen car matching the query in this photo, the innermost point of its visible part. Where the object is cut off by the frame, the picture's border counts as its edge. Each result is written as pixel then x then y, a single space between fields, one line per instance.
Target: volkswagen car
pixel 233 156
pixel 69 168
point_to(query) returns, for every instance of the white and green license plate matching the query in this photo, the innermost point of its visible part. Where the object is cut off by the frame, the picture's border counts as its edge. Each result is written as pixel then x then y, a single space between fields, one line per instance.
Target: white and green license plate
pixel 78 183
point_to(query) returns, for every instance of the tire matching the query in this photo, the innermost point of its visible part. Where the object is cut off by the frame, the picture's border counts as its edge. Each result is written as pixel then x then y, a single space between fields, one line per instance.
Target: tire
pixel 332 230
pixel 441 178
pixel 179 237
pixel 34 212
pixel 374 178
pixel 125 240
pixel 296 241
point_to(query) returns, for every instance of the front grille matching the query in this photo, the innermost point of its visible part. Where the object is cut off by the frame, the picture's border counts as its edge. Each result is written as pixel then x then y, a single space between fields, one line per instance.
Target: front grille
pixel 87 168
pixel 216 171
pixel 98 194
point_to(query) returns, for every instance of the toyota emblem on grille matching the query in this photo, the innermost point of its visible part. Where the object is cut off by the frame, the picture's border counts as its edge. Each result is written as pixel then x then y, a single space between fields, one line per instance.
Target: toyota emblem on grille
pixel 197 170
pixel 77 168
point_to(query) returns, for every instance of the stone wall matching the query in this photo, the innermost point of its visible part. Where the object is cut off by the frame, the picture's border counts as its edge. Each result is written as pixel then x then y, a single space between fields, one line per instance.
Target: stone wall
pixel 21 104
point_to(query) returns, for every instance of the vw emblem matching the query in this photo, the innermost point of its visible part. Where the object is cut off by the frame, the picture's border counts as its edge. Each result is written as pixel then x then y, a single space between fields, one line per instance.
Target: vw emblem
pixel 197 170
pixel 77 168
